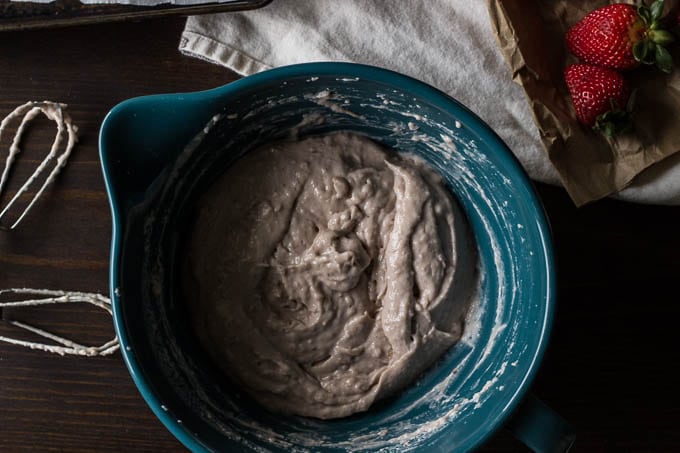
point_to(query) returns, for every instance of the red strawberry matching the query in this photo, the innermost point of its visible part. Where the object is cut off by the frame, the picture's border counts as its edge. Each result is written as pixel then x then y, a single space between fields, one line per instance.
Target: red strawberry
pixel 601 97
pixel 621 36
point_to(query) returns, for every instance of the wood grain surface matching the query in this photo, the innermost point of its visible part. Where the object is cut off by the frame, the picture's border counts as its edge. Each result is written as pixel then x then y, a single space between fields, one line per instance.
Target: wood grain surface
pixel 610 367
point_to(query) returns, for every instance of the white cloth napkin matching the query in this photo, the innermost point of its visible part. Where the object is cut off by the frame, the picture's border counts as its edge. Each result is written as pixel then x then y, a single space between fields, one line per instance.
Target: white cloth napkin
pixel 446 43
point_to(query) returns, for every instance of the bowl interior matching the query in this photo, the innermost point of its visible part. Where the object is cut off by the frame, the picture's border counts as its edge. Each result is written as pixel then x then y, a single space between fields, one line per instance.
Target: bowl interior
pixel 460 400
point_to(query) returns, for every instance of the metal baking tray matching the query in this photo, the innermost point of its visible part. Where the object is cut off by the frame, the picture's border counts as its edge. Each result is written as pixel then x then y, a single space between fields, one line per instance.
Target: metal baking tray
pixel 22 15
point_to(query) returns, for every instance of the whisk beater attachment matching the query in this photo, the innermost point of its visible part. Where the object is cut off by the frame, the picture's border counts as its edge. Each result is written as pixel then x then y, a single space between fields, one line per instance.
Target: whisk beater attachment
pixel 57 155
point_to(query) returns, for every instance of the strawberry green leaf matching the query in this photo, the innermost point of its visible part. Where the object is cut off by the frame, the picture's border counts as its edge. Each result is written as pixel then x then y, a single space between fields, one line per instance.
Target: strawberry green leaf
pixel 645 14
pixel 661 37
pixel 613 122
pixel 656 10
pixel 663 58
pixel 640 50
pixel 616 121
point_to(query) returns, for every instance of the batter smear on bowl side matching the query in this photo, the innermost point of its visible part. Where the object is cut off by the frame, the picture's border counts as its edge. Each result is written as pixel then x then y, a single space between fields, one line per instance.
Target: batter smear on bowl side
pixel 327 273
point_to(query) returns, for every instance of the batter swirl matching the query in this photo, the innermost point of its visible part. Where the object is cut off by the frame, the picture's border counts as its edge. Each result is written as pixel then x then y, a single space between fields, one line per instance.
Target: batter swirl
pixel 327 273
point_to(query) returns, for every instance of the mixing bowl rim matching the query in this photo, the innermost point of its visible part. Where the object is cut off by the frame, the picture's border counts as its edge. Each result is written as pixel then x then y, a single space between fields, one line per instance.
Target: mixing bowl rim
pixel 339 70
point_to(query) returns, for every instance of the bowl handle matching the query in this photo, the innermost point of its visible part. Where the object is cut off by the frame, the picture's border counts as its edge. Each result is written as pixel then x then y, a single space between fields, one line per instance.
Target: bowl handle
pixel 140 137
pixel 540 428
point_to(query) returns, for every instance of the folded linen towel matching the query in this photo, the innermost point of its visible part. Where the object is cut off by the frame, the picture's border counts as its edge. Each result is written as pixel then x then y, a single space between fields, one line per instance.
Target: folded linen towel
pixel 446 43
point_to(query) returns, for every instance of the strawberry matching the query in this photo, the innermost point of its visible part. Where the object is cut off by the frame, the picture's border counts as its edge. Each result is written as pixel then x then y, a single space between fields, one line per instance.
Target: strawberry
pixel 621 36
pixel 601 97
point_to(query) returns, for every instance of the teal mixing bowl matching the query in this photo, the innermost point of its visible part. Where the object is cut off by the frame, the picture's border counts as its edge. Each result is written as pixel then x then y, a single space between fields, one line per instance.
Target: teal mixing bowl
pixel 159 152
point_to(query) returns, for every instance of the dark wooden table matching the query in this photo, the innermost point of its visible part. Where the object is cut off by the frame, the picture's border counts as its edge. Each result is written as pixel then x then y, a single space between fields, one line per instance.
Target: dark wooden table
pixel 610 369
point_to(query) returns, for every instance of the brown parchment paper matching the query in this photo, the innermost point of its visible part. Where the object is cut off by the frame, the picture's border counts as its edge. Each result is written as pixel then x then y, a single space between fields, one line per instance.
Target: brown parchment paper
pixel 531 36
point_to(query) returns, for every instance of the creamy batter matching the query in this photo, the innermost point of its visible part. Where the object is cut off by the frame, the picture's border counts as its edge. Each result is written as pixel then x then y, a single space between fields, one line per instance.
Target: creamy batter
pixel 327 273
